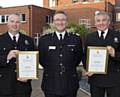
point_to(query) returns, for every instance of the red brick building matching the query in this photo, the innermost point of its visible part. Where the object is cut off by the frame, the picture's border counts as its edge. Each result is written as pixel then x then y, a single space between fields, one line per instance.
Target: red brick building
pixel 34 18
pixel 82 11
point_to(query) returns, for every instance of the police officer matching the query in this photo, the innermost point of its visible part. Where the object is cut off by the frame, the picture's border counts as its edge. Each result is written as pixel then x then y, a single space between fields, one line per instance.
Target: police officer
pixel 60 54
pixel 104 36
pixel 10 43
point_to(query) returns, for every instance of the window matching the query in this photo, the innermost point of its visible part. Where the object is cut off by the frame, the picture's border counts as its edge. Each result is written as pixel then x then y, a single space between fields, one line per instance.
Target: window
pixel 52 3
pixel 49 19
pixel 7 18
pixel 23 17
pixel 3 18
pixel 85 22
pixel 118 17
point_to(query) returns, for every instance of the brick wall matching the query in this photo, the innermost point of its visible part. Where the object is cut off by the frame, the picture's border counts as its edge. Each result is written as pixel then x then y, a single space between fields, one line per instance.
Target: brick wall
pixel 35 18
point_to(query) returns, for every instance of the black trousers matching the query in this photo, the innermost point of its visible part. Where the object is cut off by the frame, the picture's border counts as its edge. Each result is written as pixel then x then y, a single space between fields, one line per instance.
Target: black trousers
pixel 55 95
pixel 102 91
pixel 18 95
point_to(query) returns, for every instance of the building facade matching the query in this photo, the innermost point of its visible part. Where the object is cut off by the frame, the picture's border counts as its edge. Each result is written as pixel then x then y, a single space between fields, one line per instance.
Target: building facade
pixel 82 11
pixel 34 18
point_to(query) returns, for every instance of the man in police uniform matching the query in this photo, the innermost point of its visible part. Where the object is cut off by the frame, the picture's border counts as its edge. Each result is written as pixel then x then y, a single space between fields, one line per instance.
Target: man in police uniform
pixel 60 54
pixel 105 83
pixel 10 43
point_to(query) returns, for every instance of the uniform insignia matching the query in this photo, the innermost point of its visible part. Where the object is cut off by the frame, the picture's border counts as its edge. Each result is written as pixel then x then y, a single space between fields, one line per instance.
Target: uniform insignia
pixel 26 42
pixel 116 40
pixel 52 47
pixel 47 34
pixel 4 49
pixel 77 34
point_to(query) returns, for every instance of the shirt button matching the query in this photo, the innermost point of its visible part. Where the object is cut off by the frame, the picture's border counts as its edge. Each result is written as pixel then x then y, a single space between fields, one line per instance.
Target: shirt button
pixel 72 49
pixel 0 75
pixel 61 46
pixel 118 70
pixel 4 49
pixel 61 55
pixel 15 70
pixel 61 73
pixel 15 47
pixel 61 64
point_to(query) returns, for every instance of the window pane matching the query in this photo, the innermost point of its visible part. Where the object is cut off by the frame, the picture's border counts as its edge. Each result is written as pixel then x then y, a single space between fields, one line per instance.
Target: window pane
pixel 7 18
pixel 117 16
pixel 2 19
pixel 23 17
pixel 52 3
pixel 47 19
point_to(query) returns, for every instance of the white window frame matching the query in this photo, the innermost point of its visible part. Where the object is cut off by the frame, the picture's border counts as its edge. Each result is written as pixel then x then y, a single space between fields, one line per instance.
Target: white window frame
pixel 86 22
pixel 22 17
pixel 52 3
pixel 50 19
pixel 5 15
pixel 118 17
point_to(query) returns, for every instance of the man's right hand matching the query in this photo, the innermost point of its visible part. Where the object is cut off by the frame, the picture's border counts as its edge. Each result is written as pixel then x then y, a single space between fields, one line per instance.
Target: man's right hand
pixel 89 74
pixel 12 54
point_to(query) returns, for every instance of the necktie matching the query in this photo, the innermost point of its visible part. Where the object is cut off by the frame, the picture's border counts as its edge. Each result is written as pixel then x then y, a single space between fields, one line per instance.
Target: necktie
pixel 60 37
pixel 102 37
pixel 14 38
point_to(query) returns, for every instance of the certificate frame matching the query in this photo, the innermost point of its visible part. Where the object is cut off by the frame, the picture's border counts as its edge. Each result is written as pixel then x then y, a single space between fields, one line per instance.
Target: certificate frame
pixel 94 64
pixel 31 61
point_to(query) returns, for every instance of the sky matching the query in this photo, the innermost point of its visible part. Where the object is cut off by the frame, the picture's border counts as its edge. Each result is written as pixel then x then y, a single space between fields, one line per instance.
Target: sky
pixel 9 3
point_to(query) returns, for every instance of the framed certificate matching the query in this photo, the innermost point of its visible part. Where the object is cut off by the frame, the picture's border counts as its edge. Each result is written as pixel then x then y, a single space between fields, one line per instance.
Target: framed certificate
pixel 27 64
pixel 97 59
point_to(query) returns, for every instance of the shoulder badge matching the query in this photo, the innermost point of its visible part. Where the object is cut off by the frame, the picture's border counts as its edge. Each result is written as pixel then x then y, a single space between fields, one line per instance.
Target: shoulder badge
pixel 44 34
pixel 77 34
pixel 74 33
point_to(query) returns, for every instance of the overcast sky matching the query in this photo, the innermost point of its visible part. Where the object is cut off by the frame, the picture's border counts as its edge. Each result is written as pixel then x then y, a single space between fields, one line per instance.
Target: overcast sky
pixel 9 3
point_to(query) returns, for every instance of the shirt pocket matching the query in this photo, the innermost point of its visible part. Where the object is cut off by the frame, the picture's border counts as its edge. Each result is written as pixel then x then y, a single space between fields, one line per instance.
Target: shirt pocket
pixel 71 48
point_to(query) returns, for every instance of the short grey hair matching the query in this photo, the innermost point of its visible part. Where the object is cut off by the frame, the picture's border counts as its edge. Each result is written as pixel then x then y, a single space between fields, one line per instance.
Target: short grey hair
pixel 103 13
pixel 14 14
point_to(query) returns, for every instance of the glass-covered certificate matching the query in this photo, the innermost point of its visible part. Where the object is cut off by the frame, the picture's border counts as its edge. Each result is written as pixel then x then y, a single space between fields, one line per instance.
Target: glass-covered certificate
pixel 27 67
pixel 97 59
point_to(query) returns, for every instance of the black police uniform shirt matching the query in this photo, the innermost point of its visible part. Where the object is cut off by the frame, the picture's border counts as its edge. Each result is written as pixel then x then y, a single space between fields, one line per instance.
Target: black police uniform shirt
pixel 60 59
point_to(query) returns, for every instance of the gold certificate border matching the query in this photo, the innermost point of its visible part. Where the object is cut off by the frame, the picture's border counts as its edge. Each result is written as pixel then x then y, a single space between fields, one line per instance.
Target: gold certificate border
pixel 87 61
pixel 37 61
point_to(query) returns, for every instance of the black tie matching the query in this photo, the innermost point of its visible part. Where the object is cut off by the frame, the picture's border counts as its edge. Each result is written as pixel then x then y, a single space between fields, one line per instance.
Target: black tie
pixel 14 38
pixel 102 37
pixel 60 37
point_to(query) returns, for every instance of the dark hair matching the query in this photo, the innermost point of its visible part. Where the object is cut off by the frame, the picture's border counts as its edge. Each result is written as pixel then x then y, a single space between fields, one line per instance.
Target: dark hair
pixel 60 12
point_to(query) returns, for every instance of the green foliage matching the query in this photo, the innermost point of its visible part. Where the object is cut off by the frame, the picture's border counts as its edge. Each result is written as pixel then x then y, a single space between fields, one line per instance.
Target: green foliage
pixel 80 29
pixel 48 28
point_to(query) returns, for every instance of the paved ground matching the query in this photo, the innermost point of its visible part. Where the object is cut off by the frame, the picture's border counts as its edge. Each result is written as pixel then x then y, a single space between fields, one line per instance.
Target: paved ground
pixel 38 93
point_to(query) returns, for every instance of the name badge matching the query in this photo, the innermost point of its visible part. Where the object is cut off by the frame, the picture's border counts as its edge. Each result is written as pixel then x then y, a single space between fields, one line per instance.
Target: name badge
pixel 52 47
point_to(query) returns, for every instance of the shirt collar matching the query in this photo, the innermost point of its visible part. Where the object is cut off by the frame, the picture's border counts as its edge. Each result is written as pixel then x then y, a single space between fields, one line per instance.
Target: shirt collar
pixel 105 33
pixel 58 34
pixel 11 36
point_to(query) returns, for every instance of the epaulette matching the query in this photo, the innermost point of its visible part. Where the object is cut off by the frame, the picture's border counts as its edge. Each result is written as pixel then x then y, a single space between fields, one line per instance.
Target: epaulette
pixel 46 34
pixel 72 33
pixel 77 34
